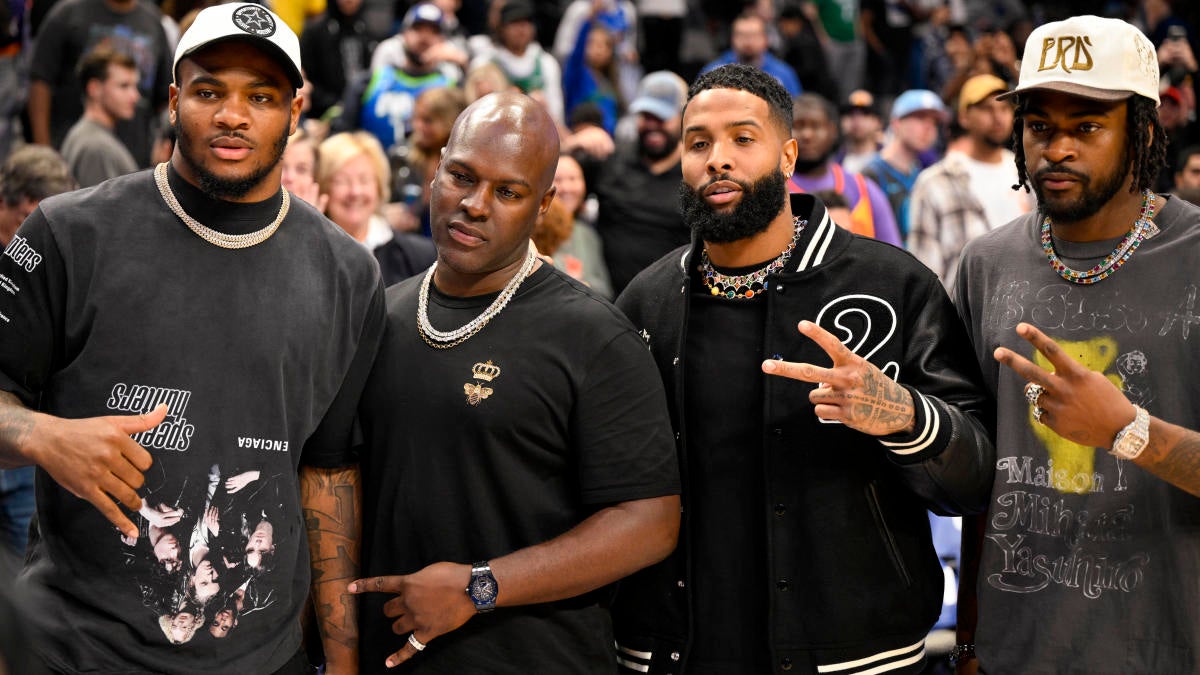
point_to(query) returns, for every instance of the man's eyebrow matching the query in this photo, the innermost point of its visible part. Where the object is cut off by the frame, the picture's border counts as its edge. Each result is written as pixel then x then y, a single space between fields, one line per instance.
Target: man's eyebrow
pixel 731 125
pixel 453 161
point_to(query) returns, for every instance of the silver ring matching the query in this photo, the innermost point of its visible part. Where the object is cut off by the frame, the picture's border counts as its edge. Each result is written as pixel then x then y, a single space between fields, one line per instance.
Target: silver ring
pixel 1037 414
pixel 416 644
pixel 1033 393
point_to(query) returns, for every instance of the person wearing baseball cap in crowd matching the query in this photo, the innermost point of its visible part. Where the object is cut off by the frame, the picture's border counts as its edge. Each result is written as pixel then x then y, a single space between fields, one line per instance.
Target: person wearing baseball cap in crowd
pixel 159 365
pixel 1080 315
pixel 638 218
pixel 916 120
pixel 957 199
pixel 382 100
pixel 862 131
pixel 424 37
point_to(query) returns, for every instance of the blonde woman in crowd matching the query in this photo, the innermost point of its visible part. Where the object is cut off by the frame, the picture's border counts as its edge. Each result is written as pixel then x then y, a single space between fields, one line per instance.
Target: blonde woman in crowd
pixel 353 176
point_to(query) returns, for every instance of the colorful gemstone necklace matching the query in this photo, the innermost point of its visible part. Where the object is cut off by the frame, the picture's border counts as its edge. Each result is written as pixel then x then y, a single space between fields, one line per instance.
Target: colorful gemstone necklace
pixel 746 286
pixel 1142 230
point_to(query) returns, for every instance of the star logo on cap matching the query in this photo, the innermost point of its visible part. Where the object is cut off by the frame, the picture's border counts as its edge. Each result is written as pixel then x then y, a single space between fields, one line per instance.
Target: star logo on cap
pixel 254 20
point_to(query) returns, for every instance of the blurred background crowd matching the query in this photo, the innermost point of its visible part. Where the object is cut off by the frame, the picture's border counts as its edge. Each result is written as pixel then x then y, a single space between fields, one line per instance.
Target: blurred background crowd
pixel 895 116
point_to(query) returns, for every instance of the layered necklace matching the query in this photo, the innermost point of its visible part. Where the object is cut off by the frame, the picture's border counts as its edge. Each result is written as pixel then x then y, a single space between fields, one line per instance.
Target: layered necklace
pixel 751 284
pixel 447 339
pixel 214 237
pixel 1142 230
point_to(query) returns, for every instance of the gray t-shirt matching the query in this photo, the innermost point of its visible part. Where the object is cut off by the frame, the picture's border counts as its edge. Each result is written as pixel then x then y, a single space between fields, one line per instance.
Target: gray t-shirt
pixel 1089 563
pixel 95 154
pixel 109 305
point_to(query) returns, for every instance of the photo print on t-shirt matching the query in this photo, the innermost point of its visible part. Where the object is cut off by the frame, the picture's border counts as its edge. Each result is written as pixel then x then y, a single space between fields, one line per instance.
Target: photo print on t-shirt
pixel 205 551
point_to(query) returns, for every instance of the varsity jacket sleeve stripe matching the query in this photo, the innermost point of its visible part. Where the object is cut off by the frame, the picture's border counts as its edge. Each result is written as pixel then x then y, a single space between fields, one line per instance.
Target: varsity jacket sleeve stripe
pixel 927 429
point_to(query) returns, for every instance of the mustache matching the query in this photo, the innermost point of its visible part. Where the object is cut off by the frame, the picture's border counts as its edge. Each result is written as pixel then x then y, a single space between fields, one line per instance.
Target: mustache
pixel 232 134
pixel 717 179
pixel 1059 169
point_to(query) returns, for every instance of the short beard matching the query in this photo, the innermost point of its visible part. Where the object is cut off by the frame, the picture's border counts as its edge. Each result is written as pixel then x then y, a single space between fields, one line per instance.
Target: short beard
pixel 227 188
pixel 761 201
pixel 1092 199
pixel 662 153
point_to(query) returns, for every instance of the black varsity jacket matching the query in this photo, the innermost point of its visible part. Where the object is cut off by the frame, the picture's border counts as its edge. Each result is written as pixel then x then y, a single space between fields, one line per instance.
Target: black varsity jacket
pixel 855 582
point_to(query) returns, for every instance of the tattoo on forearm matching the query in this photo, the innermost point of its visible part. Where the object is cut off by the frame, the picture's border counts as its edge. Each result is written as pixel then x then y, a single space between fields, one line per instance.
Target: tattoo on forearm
pixel 1178 463
pixel 16 422
pixel 332 513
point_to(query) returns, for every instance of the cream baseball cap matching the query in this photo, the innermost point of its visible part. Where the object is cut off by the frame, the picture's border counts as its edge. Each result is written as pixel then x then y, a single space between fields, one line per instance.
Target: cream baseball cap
pixel 243 21
pixel 1092 57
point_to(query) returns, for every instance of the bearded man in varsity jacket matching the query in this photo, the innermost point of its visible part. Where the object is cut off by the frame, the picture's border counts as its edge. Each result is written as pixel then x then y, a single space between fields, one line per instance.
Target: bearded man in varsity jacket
pixel 824 396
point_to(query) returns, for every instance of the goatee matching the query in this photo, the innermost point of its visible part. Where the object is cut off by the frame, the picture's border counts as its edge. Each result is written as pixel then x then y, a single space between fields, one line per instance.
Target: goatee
pixel 761 201
pixel 1091 198
pixel 228 188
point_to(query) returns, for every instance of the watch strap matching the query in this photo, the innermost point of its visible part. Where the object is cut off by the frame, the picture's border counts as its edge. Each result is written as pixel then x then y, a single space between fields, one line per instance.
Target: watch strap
pixel 1134 437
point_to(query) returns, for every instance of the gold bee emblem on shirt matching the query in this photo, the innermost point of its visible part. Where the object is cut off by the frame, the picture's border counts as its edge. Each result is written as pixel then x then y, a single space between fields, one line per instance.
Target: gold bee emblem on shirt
pixel 475 391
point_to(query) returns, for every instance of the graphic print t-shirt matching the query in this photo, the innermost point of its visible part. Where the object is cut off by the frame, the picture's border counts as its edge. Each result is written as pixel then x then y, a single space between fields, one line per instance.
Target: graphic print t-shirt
pixel 1089 562
pixel 109 305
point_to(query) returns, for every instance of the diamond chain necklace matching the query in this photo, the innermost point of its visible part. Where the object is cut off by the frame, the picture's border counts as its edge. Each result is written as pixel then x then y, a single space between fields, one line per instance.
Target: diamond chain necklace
pixel 728 286
pixel 447 339
pixel 230 241
pixel 1142 230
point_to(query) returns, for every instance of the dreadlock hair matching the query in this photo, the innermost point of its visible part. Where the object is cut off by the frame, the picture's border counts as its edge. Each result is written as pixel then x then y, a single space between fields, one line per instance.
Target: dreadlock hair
pixel 1147 142
pixel 749 79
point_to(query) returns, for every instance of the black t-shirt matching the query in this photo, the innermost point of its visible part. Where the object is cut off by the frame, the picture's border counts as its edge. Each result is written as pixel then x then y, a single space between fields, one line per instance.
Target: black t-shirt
pixel 552 411
pixel 639 220
pixel 723 413
pixel 109 306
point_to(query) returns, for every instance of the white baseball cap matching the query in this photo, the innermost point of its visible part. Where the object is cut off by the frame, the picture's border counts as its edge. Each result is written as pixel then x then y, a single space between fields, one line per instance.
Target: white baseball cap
pixel 243 21
pixel 1092 57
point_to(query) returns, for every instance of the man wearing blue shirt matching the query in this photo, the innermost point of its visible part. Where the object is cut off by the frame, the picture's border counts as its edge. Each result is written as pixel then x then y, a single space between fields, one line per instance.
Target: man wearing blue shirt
pixel 749 46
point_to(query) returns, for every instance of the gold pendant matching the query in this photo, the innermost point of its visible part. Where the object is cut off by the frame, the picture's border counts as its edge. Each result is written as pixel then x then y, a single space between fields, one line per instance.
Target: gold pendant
pixel 475 391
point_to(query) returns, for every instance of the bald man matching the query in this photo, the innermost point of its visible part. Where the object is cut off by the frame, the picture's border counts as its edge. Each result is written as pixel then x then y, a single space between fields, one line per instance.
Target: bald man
pixel 518 455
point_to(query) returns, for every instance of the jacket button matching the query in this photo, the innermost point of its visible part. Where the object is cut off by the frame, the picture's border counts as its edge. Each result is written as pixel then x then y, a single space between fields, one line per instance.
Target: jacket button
pixel 674 656
pixel 680 584
pixel 785 663
pixel 778 431
pixel 675 362
pixel 780 509
pixel 782 584
pixel 779 288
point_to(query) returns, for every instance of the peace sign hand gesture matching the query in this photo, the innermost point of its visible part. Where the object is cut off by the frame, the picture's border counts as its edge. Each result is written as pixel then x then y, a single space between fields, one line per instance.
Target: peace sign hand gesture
pixel 853 391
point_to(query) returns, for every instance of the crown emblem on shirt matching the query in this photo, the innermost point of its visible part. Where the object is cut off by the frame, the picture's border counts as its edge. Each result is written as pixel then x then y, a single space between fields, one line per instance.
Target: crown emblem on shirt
pixel 485 371
pixel 476 392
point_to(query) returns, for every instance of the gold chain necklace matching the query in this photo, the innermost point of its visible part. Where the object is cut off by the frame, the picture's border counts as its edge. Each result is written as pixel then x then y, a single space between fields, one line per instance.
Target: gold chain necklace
pixel 231 241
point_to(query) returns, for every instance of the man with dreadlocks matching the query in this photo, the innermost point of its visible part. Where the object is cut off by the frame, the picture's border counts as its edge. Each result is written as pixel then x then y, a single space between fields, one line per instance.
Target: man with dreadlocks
pixel 1087 559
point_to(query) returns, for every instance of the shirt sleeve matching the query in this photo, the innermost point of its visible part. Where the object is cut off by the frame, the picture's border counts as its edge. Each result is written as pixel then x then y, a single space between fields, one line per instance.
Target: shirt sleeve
pixel 32 296
pixel 621 428
pixel 48 50
pixel 336 440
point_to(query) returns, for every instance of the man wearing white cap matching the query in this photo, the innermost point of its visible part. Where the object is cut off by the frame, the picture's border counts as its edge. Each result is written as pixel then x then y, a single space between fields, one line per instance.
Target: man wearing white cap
pixel 227 328
pixel 1087 558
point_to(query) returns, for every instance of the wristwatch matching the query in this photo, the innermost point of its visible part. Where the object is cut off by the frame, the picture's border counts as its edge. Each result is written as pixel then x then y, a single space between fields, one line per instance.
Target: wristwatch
pixel 961 653
pixel 1131 440
pixel 482 590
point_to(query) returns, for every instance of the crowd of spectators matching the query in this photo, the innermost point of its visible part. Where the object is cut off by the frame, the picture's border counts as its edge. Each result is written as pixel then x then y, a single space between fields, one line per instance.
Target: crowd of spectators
pixel 896 120
pixel 880 84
